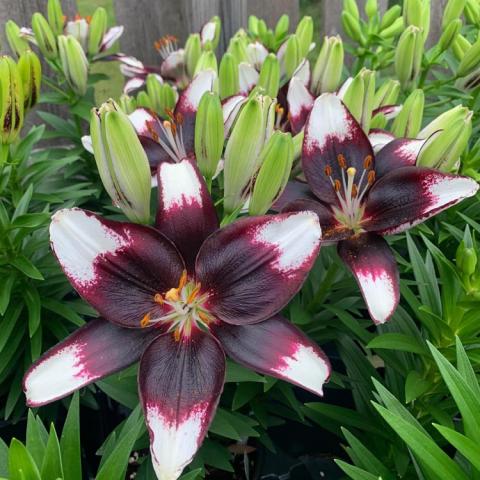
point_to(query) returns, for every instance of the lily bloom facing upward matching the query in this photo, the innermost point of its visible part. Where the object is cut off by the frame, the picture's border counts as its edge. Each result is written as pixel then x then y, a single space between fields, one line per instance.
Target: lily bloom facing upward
pixel 359 198
pixel 178 297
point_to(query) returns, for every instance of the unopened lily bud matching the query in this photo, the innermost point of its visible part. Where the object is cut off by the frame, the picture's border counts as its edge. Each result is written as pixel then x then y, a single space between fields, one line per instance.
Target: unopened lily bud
pixel 210 34
pixel 409 121
pixel 122 163
pixel 412 13
pixel 444 121
pixel 452 11
pixel 44 36
pixel 162 95
pixel 466 256
pixel 472 12
pixel 98 27
pixel 253 25
pixel 387 94
pixel 55 16
pixel 11 100
pixel 292 56
pixel 470 61
pixel 444 151
pixel 228 76
pixel 193 50
pixel 18 45
pixel 304 34
pixel 276 160
pixel 449 34
pixel 460 46
pixel 281 29
pixel 127 104
pixel 351 7
pixel 393 30
pixel 408 55
pixel 252 129
pixel 269 78
pixel 390 16
pixel 79 30
pixel 238 49
pixel 207 61
pixel 328 67
pixel 351 25
pixel 209 134
pixel 359 97
pixel 371 8
pixel 262 28
pixel 74 63
pixel 143 100
pixel 30 71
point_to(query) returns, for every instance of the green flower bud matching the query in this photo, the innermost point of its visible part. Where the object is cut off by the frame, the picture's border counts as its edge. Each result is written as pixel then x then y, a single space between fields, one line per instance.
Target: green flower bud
pixel 371 8
pixel 253 25
pixel 392 14
pixel 127 104
pixel 269 78
pixel 237 47
pixel 98 27
pixel 452 11
pixel 412 13
pixel 162 96
pixel 472 12
pixel 55 16
pixel 470 61
pixel 409 121
pixel 213 42
pixel 122 163
pixel 444 121
pixel 304 34
pixel 281 29
pixel 207 61
pixel 30 71
pixel 351 7
pixel 143 100
pixel 387 94
pixel 209 134
pixel 292 57
pixel 393 30
pixel 228 76
pixel 193 50
pixel 262 27
pixel 252 129
pixel 74 63
pixel 460 46
pixel 276 163
pixel 328 67
pixel 44 36
pixel 18 45
pixel 359 97
pixel 11 100
pixel 466 258
pixel 408 55
pixel 351 25
pixel 449 34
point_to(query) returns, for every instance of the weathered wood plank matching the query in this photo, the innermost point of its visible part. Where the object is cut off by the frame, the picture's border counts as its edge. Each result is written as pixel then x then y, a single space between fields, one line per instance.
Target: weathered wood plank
pixel 272 10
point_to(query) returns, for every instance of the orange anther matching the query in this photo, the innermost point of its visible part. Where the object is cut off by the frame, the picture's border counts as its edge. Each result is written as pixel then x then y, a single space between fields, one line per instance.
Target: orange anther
pixel 176 334
pixel 328 170
pixel 145 320
pixel 371 176
pixel 178 118
pixel 204 317
pixel 172 295
pixel 367 163
pixel 337 185
pixel 169 113
pixel 341 161
pixel 354 191
pixel 183 280
pixel 157 298
pixel 193 293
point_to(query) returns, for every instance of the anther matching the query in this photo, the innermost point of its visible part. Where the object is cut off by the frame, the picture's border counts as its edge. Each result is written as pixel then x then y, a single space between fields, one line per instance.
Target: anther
pixel 157 298
pixel 371 177
pixel 337 185
pixel 354 191
pixel 328 171
pixel 367 163
pixel 193 293
pixel 176 334
pixel 178 118
pixel 183 280
pixel 172 295
pixel 145 320
pixel 204 317
pixel 341 161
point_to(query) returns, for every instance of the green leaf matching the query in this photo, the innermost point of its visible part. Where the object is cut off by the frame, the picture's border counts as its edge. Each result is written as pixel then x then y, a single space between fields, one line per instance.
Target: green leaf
pixel 6 291
pixel 21 465
pixel 398 341
pixel 70 442
pixel 193 475
pixel 465 368
pixel 415 386
pixel 22 206
pixel 27 267
pixel 52 462
pixel 35 442
pixel 30 220
pixel 3 458
pixel 34 306
pixel 237 373
pixel 354 472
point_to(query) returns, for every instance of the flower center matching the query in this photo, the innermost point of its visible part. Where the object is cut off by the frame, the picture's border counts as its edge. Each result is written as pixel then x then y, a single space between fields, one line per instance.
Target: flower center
pixel 172 141
pixel 186 308
pixel 166 45
pixel 349 193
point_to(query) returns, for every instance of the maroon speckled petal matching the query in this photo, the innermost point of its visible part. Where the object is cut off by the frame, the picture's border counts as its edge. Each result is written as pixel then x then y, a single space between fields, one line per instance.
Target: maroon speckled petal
pixel 294 190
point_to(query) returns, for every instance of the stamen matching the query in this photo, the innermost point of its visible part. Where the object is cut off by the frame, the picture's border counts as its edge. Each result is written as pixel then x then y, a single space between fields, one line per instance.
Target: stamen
pixel 328 171
pixel 158 299
pixel 193 293
pixel 367 163
pixel 145 320
pixel 176 334
pixel 371 177
pixel 204 317
pixel 337 185
pixel 183 280
pixel 341 161
pixel 354 191
pixel 172 295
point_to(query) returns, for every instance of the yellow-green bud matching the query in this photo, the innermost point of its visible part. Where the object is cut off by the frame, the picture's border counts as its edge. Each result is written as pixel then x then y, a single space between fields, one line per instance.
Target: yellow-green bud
pixel 408 55
pixel 55 16
pixel 292 56
pixel 351 25
pixel 412 13
pixel 98 27
pixel 269 78
pixel 207 61
pixel 74 63
pixel 304 34
pixel 460 46
pixel 472 12
pixel 127 104
pixel 390 16
pixel 11 100
pixel 160 99
pixel 449 34
pixel 228 76
pixel 466 256
pixel 18 45
pixel 281 29
pixel 238 49
pixel 213 42
pixel 351 7
pixel 371 8
pixel 387 94
pixel 470 61
pixel 143 100
pixel 253 25
pixel 452 11
pixel 30 71
pixel 328 67
pixel 122 163
pixel 276 160
pixel 409 121
pixel 209 134
pixel 44 36
pixel 393 30
pixel 193 50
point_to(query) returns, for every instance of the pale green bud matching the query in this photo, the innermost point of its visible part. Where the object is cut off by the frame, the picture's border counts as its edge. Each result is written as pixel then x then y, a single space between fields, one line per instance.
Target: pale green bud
pixel 276 161
pixel 452 11
pixel 392 14
pixel 193 50
pixel 18 45
pixel 281 29
pixel 11 100
pixel 449 34
pixel 55 16
pixel 466 255
pixel 162 96
pixel 408 55
pixel 393 30
pixel 292 56
pixel 207 61
pixel 470 61
pixel 228 76
pixel 304 34
pixel 460 46
pixel 210 40
pixel 444 121
pixel 262 27
pixel 351 7
pixel 387 94
pixel 237 47
pixel 412 13
pixel 252 129
pixel 127 104
pixel 98 27
pixel 253 25
pixel 143 100
pixel 44 36
pixel 409 121
pixel 371 8
pixel 74 63
pixel 351 25
pixel 30 71
pixel 472 12
pixel 359 97
pixel 122 163
pixel 209 134
pixel 328 67
pixel 269 78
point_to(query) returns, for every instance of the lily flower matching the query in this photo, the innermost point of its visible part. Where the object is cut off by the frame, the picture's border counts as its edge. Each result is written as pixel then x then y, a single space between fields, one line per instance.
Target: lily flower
pixel 179 297
pixel 360 197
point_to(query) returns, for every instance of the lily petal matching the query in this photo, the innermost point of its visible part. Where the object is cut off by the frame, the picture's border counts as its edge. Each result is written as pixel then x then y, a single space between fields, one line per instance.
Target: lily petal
pixel 331 131
pixel 117 267
pixel 173 67
pixel 248 77
pixel 373 265
pixel 410 195
pixel 94 351
pixel 379 138
pixel 256 54
pixel 300 103
pixel 185 214
pixel 388 111
pixel 133 84
pixel 294 190
pixel 110 37
pixel 230 107
pixel 180 383
pixel 87 143
pixel 302 72
pixel 276 347
pixel 253 267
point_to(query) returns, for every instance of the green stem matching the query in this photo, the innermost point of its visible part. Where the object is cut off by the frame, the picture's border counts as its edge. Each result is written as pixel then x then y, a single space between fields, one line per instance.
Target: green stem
pixel 320 294
pixel 54 87
pixel 4 153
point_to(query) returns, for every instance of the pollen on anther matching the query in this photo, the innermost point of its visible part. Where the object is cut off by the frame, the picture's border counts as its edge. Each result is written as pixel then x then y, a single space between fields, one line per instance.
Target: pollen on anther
pixel 183 280
pixel 158 299
pixel 145 320
pixel 176 334
pixel 354 191
pixel 328 170
pixel 179 118
pixel 193 293
pixel 341 160
pixel 172 295
pixel 371 176
pixel 367 163
pixel 338 185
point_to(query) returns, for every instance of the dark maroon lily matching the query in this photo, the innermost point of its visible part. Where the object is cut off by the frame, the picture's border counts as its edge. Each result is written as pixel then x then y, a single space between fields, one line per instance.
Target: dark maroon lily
pixel 360 197
pixel 178 297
